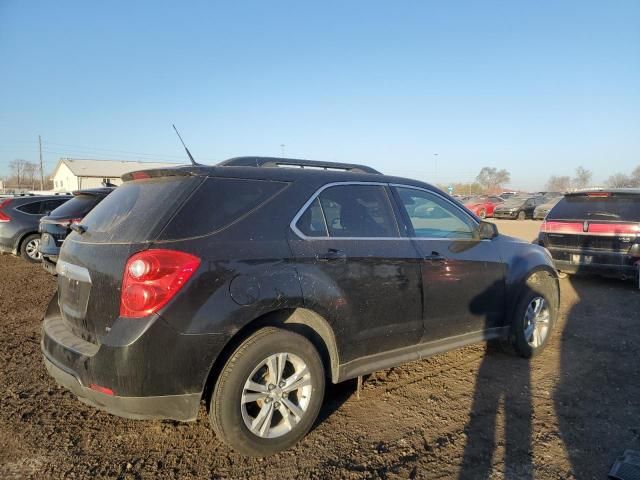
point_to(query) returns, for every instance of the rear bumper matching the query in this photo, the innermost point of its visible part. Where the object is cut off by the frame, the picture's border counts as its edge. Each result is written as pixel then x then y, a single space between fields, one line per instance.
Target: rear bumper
pixel 505 214
pixel 49 264
pixel 597 262
pixel 607 270
pixel 176 407
pixel 152 370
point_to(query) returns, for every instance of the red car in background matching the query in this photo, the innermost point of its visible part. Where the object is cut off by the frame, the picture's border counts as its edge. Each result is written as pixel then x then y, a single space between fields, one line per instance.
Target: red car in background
pixel 483 205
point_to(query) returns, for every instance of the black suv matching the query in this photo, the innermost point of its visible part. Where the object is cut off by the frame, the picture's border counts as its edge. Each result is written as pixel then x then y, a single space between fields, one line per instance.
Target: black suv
pixel 55 227
pixel 519 208
pixel 19 219
pixel 248 283
pixel 595 232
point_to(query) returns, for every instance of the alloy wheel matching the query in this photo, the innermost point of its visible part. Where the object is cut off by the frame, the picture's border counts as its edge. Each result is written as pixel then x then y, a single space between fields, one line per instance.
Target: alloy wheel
pixel 33 249
pixel 536 322
pixel 276 395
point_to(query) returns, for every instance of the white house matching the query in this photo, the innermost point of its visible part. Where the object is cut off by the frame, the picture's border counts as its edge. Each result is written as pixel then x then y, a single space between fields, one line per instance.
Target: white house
pixel 73 174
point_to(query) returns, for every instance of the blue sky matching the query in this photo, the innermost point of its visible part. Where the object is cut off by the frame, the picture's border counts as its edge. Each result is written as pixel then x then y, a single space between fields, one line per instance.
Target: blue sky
pixel 538 87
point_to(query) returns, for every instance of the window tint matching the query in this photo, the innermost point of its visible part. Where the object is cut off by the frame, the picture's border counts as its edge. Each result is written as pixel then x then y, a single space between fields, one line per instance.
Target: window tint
pixel 433 217
pixel 358 211
pixel 135 210
pixel 49 206
pixel 77 207
pixel 32 208
pixel 312 222
pixel 217 203
pixel 582 207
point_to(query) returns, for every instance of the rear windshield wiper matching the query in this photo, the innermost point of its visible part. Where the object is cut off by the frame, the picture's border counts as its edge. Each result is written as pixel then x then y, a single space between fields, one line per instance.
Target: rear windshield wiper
pixel 76 227
pixel 603 214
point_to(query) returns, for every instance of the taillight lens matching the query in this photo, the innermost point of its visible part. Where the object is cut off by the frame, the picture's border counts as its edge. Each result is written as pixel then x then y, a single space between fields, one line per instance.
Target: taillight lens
pixel 3 216
pixel 152 278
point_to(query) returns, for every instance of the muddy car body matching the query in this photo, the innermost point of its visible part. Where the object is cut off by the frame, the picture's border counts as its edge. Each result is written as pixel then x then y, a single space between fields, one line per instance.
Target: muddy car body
pixel 246 284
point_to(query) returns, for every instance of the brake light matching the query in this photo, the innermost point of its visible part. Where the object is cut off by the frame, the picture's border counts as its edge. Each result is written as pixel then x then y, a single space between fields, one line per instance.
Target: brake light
pixel 561 227
pixel 152 278
pixel 614 228
pixel 599 194
pixel 101 389
pixel 3 216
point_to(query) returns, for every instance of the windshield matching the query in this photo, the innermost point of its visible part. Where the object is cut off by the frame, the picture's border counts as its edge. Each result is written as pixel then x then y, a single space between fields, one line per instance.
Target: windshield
pixel 582 207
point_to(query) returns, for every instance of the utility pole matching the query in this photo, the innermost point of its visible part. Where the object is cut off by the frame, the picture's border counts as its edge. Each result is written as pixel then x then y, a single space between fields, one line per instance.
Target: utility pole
pixel 282 145
pixel 41 170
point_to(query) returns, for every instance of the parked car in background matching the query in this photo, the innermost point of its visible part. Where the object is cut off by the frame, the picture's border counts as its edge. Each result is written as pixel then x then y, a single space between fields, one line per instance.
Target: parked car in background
pixel 541 210
pixel 55 227
pixel 19 219
pixel 518 207
pixel 506 195
pixel 595 232
pixel 483 205
pixel 247 284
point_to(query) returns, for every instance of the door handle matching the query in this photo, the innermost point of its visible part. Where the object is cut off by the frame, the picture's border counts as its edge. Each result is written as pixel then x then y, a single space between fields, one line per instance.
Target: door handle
pixel 332 254
pixel 435 257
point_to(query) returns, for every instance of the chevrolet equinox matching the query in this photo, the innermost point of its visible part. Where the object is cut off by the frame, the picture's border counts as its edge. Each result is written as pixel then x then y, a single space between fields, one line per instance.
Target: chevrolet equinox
pixel 248 284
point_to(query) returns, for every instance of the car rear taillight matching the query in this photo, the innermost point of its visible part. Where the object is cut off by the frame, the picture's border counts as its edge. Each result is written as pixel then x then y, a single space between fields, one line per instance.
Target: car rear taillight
pixel 3 216
pixel 561 227
pixel 152 278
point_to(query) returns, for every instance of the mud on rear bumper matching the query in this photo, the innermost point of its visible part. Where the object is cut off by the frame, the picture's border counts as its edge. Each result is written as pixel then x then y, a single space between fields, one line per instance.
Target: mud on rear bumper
pixel 176 407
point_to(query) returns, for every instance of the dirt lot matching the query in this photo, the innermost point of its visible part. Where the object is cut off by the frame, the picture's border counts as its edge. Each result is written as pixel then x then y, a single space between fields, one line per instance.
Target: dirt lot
pixel 466 414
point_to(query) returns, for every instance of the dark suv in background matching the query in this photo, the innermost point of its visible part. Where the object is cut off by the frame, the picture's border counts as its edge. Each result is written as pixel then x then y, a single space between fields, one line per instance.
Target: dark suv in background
pixel 595 232
pixel 519 208
pixel 55 227
pixel 247 284
pixel 19 219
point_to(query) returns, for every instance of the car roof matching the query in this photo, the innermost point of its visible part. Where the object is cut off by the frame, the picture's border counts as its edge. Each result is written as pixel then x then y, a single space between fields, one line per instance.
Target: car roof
pixel 624 191
pixel 280 169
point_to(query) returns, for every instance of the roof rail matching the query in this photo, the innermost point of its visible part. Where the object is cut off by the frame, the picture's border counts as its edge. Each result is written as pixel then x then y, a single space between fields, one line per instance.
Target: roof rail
pixel 294 162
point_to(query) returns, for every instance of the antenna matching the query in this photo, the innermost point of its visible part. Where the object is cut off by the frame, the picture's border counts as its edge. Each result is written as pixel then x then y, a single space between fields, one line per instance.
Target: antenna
pixel 193 162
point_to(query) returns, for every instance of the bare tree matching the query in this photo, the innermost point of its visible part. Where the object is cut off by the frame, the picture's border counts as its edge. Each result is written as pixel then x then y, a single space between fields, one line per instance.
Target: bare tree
pixel 635 176
pixel 619 180
pixel 558 183
pixel 17 167
pixel 29 173
pixel 582 178
pixel 492 179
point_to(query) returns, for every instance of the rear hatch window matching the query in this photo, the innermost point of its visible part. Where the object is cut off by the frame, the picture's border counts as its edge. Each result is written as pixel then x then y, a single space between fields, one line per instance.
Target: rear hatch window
pixel 137 210
pixel 77 207
pixel 617 208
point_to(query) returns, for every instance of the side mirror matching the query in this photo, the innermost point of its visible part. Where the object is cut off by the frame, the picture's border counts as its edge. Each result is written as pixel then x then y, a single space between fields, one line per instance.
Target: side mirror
pixel 487 230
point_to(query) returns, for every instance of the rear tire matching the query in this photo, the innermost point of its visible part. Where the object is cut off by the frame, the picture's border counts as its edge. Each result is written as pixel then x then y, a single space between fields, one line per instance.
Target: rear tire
pixel 482 214
pixel 29 248
pixel 522 216
pixel 261 404
pixel 535 315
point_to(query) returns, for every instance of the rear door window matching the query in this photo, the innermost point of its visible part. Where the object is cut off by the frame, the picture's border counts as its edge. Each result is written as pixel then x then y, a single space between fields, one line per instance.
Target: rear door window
pixel 624 208
pixel 77 207
pixel 358 211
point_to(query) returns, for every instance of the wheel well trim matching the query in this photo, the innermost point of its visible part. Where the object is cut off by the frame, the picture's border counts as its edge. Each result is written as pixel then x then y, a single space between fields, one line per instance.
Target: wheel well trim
pixel 290 319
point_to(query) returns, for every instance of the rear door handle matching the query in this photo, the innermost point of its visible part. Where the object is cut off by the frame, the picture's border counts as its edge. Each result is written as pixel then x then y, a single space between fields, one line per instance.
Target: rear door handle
pixel 332 254
pixel 435 257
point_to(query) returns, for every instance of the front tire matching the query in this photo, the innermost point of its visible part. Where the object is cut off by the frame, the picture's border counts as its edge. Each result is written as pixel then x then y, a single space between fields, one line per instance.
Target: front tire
pixel 30 248
pixel 269 393
pixel 482 214
pixel 535 315
pixel 522 215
